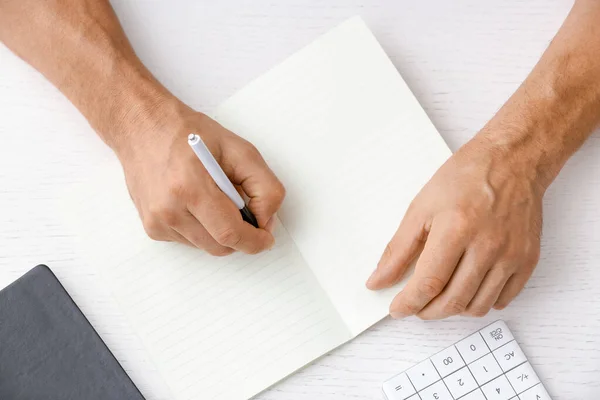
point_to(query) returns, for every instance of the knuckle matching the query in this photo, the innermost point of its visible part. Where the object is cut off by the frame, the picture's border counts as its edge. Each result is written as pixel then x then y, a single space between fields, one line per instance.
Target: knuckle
pixel 526 253
pixel 152 229
pixel 278 192
pixel 460 222
pixel 176 189
pixel 248 150
pixel 413 206
pixel 454 306
pixel 431 286
pixel 228 237
pixel 275 194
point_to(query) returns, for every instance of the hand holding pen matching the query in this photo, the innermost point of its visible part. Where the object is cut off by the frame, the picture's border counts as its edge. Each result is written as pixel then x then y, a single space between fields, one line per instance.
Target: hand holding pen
pixel 218 175
pixel 179 200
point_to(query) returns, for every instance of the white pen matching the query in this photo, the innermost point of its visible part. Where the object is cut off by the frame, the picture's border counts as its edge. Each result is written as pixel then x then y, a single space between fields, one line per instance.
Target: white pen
pixel 217 174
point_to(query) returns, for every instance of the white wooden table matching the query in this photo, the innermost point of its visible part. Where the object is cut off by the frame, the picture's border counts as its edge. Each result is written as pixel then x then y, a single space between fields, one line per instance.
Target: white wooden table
pixel 461 58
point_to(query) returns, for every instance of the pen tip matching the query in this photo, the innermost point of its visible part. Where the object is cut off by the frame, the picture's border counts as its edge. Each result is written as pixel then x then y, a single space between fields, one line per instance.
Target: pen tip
pixel 191 136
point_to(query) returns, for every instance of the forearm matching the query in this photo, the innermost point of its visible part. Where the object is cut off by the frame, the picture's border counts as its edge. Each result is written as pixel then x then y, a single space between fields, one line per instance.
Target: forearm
pixel 81 48
pixel 558 106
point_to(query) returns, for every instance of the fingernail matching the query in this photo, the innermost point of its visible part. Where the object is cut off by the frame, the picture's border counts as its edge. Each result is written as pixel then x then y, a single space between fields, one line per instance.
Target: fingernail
pixel 372 278
pixel 385 256
pixel 380 265
pixel 397 315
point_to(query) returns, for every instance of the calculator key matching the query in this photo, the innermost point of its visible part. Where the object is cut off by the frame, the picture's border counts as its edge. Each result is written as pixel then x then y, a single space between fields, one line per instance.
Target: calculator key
pixel 423 374
pixel 447 361
pixel 485 369
pixel 414 397
pixel 509 356
pixel 538 392
pixel 472 348
pixel 496 334
pixel 474 395
pixel 437 391
pixel 460 383
pixel 398 388
pixel 498 389
pixel 523 377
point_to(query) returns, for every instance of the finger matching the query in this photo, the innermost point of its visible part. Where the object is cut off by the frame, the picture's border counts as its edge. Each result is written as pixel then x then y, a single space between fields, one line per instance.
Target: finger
pixel 156 230
pixel 195 235
pixel 442 251
pixel 399 253
pixel 488 292
pixel 259 183
pixel 461 289
pixel 176 237
pixel 513 287
pixel 223 221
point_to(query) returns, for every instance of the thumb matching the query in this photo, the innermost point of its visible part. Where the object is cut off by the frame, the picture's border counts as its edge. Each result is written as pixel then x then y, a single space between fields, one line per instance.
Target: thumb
pixel 399 253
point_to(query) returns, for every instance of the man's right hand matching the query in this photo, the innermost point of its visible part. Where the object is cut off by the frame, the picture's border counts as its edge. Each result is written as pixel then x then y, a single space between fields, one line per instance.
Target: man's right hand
pixel 91 61
pixel 176 198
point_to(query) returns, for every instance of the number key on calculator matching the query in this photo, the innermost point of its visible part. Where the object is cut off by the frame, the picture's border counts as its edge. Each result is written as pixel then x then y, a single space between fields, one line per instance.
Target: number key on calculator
pixel 487 365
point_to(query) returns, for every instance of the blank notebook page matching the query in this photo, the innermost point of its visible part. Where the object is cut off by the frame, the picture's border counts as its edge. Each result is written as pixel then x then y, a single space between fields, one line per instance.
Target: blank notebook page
pixel 352 145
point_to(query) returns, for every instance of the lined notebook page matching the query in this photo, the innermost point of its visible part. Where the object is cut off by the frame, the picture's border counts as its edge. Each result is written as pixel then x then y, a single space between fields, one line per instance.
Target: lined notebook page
pixel 217 328
pixel 352 145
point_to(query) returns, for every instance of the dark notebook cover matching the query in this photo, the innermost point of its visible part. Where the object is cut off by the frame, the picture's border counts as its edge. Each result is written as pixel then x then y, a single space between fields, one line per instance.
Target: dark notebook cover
pixel 48 349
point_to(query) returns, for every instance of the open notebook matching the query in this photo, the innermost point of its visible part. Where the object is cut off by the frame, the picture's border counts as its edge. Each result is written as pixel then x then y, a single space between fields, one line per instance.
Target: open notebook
pixel 343 132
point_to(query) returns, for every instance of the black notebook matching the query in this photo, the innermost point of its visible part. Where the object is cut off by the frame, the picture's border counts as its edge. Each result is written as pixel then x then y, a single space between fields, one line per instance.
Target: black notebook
pixel 49 350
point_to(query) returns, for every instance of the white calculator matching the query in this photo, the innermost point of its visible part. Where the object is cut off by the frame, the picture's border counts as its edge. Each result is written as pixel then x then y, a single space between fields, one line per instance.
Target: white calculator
pixel 487 365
